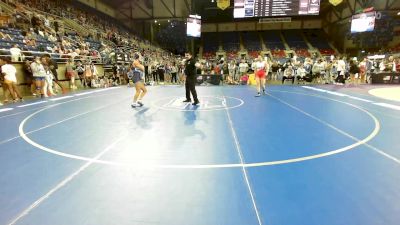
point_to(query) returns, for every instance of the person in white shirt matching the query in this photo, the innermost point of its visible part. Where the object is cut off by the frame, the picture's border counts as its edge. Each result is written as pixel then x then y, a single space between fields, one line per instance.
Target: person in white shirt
pixel 232 68
pixel 392 63
pixel 243 68
pixel 48 84
pixel 52 38
pixel 254 64
pixel 10 80
pixel 341 71
pixel 39 74
pixel 260 74
pixel 288 74
pixel 382 65
pixel 174 71
pixel 301 73
pixel 15 52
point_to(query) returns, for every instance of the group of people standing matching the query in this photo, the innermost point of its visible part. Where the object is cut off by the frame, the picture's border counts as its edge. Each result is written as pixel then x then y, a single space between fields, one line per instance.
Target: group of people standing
pixel 41 74
pixel 328 70
pixel 137 75
pixel 85 71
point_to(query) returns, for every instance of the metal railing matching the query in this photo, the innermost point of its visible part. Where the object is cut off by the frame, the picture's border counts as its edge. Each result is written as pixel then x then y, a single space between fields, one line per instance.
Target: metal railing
pixel 56 56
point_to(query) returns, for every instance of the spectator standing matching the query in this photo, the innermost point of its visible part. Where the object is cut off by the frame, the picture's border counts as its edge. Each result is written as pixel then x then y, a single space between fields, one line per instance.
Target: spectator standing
pixel 243 67
pixel 15 52
pixel 10 80
pixel 70 73
pixel 29 76
pixel 174 71
pixel 354 71
pixel 341 70
pixel 39 74
pixel 48 85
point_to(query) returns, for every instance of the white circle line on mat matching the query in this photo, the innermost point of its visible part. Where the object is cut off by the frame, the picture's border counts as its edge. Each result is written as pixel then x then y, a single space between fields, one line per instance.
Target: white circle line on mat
pixel 209 166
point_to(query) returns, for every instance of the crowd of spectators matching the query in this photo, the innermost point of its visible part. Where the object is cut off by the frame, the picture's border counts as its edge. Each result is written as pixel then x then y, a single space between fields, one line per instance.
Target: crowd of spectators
pixel 37 32
pixel 43 42
pixel 320 70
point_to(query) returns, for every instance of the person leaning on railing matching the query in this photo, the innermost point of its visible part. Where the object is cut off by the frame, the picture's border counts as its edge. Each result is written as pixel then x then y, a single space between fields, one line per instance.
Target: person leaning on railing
pixel 15 52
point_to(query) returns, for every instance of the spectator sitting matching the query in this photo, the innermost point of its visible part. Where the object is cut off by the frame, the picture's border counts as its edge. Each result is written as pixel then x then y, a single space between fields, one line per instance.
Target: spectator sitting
pixel 244 79
pixel 74 54
pixel 301 74
pixel 15 52
pixel 30 41
pixel 288 74
pixel 52 38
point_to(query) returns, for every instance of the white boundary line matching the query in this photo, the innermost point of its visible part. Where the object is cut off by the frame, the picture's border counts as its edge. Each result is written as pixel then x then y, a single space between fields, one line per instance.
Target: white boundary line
pixel 213 166
pixel 60 98
pixel 386 105
pixel 84 93
pixel 61 121
pixel 344 133
pixel 64 182
pixel 242 162
pixel 29 110
pixel 336 93
pixel 35 103
pixel 6 109
pixel 360 99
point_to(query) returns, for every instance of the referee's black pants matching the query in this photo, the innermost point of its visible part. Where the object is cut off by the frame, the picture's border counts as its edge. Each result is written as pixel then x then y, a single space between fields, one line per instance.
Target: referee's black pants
pixel 190 86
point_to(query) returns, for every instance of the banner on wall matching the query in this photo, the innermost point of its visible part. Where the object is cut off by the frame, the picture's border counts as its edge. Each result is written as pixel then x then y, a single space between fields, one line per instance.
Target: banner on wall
pixel 223 4
pixel 335 2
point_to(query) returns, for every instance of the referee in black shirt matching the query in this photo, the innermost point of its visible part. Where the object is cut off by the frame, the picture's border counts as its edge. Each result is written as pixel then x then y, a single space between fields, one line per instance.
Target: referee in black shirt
pixel 190 72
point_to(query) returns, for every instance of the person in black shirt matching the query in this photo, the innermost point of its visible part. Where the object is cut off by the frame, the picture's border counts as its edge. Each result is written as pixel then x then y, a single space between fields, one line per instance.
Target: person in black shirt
pixel 190 72
pixel 161 71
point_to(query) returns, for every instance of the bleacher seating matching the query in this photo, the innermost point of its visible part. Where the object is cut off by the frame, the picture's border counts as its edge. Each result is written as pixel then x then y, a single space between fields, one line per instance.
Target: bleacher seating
pixel 273 40
pixel 230 41
pixel 231 55
pixel 253 54
pixel 278 53
pixel 18 38
pixel 304 53
pixel 251 41
pixel 210 42
pixel 209 55
pixel 327 52
pixel 294 39
pixel 317 40
pixel 395 49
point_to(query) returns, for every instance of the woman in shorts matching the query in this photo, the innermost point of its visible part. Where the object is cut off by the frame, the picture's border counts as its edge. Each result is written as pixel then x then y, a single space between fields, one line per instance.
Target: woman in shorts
pixel 260 75
pixel 137 71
